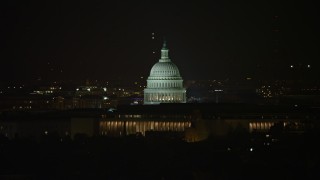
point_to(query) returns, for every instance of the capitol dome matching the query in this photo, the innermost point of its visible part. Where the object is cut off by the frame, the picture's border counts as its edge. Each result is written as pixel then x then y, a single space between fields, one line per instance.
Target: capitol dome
pixel 164 85
pixel 164 69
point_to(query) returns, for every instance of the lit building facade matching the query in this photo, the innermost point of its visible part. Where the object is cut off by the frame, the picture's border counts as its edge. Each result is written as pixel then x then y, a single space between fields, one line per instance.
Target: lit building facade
pixel 188 121
pixel 164 85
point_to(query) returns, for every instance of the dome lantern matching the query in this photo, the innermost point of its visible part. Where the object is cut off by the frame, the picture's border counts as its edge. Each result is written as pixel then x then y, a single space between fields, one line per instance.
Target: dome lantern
pixel 164 53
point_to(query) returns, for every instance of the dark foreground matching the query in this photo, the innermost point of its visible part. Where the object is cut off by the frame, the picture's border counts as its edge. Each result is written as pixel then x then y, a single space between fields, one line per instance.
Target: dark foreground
pixel 239 157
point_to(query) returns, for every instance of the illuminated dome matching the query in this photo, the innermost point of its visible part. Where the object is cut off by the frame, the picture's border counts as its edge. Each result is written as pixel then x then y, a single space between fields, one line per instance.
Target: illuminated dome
pixel 164 69
pixel 164 85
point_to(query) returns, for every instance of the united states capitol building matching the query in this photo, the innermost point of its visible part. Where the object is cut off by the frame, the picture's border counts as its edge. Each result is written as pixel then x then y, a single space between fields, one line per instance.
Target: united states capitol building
pixel 164 85
pixel 172 117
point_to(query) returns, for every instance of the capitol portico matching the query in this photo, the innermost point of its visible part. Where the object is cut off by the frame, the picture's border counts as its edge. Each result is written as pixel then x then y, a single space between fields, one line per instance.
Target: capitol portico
pixel 164 85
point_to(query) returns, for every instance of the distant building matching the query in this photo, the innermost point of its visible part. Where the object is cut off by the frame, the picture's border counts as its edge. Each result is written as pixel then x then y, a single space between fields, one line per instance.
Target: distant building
pixel 164 85
pixel 191 122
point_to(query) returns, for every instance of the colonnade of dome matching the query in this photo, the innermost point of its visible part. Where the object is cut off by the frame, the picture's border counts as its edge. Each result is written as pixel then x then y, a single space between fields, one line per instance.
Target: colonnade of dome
pixel 165 84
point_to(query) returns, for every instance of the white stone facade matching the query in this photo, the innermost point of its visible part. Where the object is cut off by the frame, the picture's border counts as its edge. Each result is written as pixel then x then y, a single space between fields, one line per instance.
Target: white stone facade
pixel 164 85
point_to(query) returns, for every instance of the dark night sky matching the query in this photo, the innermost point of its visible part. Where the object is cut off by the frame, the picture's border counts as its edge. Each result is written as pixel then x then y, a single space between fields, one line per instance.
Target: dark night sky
pixel 207 40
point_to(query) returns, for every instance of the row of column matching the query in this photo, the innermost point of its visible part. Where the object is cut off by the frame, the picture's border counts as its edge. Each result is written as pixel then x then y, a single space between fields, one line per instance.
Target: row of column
pixel 260 126
pixel 165 97
pixel 164 84
pixel 118 128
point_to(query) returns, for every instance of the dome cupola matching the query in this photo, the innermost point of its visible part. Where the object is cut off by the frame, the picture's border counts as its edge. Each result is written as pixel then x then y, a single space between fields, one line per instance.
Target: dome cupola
pixel 164 68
